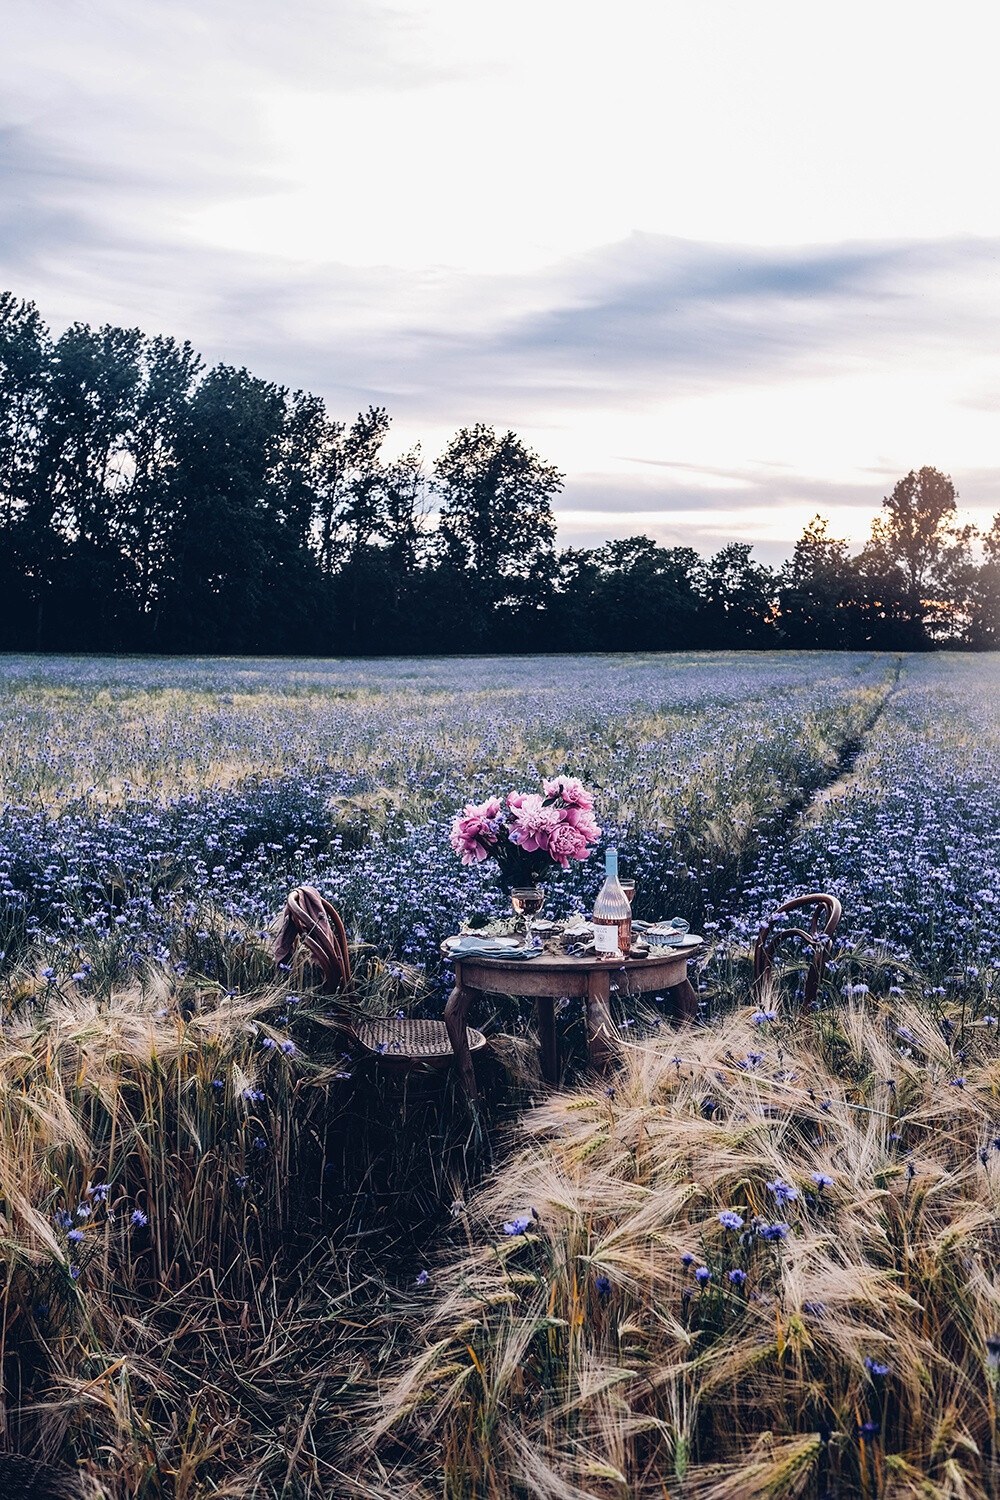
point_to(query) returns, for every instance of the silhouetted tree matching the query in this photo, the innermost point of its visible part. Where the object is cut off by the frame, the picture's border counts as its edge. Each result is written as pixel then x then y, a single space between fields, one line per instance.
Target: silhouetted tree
pixel 496 522
pixel 818 591
pixel 28 552
pixel 907 555
pixel 145 503
pixel 740 599
pixel 241 576
pixel 629 595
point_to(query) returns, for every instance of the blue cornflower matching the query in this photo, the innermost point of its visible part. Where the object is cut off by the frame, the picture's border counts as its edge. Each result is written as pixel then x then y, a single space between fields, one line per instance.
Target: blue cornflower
pixel 138 1218
pixel 737 1276
pixel 240 1180
pixel 63 1219
pixel 75 1236
pixel 268 1042
pixel 218 1083
pixel 423 1277
pixel 773 1231
pixel 869 1429
pixel 74 1272
pixel 703 1276
pixel 603 1286
pixel 687 1259
pixel 83 1210
pixel 518 1225
pixel 783 1191
pixel 288 1048
pixel 759 1017
pixel 957 1083
pixel 259 1143
pixel 730 1220
pixel 822 1180
pixel 874 1367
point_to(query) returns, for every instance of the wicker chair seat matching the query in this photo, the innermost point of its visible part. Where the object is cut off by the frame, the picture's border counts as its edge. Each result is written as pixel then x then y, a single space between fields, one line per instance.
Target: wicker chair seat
pixel 411 1043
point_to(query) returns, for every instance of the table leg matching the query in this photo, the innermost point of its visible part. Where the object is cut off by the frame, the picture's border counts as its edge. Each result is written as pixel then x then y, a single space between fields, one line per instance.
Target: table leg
pixel 684 1000
pixel 601 1035
pixel 546 1008
pixel 455 1013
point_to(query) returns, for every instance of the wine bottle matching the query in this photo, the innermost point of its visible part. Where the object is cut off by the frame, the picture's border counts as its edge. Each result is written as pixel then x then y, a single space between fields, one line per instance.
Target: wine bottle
pixel 612 913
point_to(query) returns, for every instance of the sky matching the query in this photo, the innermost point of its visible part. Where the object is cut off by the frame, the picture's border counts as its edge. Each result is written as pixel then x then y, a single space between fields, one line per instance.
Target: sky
pixel 727 265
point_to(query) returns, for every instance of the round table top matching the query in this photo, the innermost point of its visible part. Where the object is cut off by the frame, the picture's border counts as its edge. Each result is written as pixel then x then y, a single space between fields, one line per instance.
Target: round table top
pixel 549 963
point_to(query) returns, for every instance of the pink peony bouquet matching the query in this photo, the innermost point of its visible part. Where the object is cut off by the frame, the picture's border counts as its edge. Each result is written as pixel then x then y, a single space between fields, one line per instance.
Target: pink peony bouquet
pixel 529 833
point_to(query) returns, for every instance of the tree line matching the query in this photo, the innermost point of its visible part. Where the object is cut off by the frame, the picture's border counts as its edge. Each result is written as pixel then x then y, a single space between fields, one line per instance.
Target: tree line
pixel 150 504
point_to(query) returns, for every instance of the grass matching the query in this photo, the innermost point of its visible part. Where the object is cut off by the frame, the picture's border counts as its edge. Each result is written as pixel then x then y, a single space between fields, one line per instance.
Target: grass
pixel 609 1350
pixel 342 1312
pixel 291 1278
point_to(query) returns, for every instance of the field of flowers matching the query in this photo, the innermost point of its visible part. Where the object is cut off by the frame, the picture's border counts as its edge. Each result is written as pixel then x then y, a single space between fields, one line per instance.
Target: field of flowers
pixel 759 1261
pixel 145 803
pixel 910 839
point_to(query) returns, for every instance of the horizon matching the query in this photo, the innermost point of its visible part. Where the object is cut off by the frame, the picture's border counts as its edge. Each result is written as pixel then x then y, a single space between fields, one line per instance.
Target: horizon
pixel 720 288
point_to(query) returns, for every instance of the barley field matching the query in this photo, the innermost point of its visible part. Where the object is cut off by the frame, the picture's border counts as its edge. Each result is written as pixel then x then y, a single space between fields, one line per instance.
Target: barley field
pixel 760 1259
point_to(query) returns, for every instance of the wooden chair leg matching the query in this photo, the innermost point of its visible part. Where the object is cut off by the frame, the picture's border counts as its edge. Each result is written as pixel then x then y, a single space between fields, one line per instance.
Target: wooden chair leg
pixel 546 1008
pixel 455 1013
pixel 601 1036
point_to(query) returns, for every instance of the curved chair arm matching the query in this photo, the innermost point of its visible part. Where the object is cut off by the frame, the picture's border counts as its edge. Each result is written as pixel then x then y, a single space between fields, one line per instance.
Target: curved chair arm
pixel 824 921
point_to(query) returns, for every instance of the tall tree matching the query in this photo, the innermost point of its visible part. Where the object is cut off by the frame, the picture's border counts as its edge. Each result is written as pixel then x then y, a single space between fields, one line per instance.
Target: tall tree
pixel 817 590
pixel 910 540
pixel 236 563
pixel 496 513
pixel 629 595
pixel 740 598
pixel 25 350
pixel 347 485
pixel 28 546
pixel 169 371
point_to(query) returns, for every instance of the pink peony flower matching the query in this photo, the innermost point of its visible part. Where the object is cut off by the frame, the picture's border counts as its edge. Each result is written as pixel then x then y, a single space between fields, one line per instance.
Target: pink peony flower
pixel 584 822
pixel 532 823
pixel 474 831
pixel 570 789
pixel 565 843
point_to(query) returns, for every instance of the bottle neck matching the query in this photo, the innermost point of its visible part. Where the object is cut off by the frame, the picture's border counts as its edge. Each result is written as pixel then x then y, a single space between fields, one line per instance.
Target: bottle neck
pixel 611 864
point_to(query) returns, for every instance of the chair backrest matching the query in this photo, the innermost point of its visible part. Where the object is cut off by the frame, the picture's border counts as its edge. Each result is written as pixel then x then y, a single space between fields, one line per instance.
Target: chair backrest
pixel 824 919
pixel 309 918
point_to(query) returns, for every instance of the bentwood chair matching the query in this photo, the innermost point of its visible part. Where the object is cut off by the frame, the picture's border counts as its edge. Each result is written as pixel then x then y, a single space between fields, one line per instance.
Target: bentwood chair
pixel 824 914
pixel 397 1042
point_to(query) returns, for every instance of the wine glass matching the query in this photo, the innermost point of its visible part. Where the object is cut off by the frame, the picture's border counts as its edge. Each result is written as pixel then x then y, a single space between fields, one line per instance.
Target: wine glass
pixel 527 901
pixel 628 886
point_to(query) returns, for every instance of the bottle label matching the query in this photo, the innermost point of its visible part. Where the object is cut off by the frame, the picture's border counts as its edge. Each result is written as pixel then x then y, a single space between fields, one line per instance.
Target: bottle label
pixel 606 938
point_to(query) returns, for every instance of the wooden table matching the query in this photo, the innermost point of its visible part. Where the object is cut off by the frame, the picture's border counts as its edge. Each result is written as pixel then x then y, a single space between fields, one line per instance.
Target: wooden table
pixel 554 976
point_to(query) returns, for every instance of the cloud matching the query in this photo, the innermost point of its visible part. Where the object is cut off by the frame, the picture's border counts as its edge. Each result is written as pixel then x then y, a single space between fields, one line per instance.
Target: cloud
pixel 122 122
